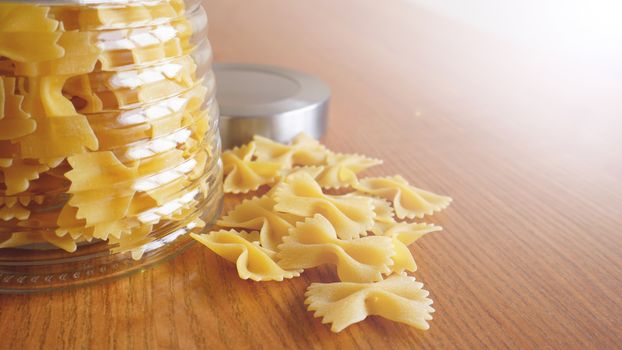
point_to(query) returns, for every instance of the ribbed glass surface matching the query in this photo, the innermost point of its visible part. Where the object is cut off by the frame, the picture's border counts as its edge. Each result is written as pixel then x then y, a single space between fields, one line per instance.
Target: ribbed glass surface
pixel 109 143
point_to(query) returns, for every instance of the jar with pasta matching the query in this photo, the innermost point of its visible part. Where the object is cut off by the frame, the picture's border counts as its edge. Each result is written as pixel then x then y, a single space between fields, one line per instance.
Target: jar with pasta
pixel 109 144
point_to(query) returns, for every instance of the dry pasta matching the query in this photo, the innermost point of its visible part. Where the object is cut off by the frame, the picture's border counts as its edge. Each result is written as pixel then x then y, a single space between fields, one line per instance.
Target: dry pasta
pixel 103 127
pixel 258 214
pixel 242 174
pixel 341 169
pixel 314 242
pixel 304 150
pixel 252 261
pixel 398 298
pixel 298 225
pixel 408 201
pixel 301 195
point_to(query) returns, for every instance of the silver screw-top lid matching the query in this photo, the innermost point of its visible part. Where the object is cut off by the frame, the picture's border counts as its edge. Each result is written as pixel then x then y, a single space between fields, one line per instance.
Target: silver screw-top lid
pixel 270 101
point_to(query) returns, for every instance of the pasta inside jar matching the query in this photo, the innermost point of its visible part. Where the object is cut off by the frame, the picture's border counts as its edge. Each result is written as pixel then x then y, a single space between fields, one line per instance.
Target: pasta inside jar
pixel 109 144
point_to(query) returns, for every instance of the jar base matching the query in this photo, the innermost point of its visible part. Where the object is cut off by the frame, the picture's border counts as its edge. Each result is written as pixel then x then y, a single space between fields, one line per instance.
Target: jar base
pixel 98 264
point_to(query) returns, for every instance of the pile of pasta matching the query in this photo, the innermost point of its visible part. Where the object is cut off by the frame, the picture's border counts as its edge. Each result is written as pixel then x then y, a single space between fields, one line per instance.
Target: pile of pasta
pixel 318 212
pixel 103 124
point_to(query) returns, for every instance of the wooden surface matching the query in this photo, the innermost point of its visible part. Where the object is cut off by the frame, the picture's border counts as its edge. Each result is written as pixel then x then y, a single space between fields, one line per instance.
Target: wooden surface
pixel 528 143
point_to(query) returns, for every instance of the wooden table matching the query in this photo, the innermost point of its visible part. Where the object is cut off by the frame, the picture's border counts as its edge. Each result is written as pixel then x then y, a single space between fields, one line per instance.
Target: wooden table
pixel 528 143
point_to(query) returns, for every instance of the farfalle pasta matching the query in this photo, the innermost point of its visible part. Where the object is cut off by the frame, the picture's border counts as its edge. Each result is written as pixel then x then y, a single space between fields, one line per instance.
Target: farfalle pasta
pixel 252 261
pixel 243 174
pixel 408 201
pixel 341 169
pixel 303 150
pixel 301 195
pixel 398 298
pixel 107 118
pixel 314 242
pixel 316 211
pixel 258 214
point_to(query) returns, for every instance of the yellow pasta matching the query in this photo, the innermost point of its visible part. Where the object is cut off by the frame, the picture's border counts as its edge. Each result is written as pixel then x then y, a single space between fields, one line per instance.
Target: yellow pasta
pixel 102 111
pixel 300 195
pixel 408 233
pixel 11 208
pixel 317 229
pixel 243 174
pixel 80 56
pixel 252 261
pixel 19 173
pixel 341 169
pixel 398 298
pixel 314 243
pixel 408 201
pixel 14 121
pixel 98 170
pixel 16 18
pixel 313 171
pixel 258 214
pixel 27 34
pixel 304 150
pixel 118 130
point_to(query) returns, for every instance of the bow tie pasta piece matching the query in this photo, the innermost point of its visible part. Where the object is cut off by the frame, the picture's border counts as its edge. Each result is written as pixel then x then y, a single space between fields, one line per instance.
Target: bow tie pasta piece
pixel 26 18
pixel 408 201
pixel 398 298
pixel 304 150
pixel 68 224
pixel 27 34
pixel 30 47
pixel 19 173
pixel 101 208
pixel 314 243
pixel 98 170
pixel 101 187
pixel 252 261
pixel 54 137
pixel 11 209
pixel 14 121
pixel 341 169
pixel 258 214
pixel 300 195
pixel 243 174
pixel 80 56
pixel 313 171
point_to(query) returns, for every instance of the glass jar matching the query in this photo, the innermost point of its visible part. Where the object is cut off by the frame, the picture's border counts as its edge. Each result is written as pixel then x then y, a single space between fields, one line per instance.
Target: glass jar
pixel 109 143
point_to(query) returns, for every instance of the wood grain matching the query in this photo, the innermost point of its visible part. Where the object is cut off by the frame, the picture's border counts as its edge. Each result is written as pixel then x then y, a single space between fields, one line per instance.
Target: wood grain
pixel 528 143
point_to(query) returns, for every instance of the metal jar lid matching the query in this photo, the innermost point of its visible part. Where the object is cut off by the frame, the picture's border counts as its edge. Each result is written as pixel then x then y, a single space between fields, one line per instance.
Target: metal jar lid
pixel 274 102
